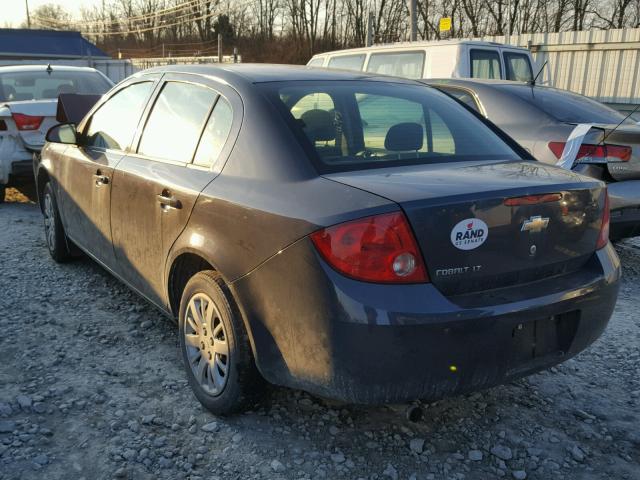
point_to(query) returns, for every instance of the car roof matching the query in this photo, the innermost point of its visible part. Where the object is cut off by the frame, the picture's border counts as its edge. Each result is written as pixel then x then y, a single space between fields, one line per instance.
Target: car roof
pixel 264 72
pixel 421 44
pixel 38 67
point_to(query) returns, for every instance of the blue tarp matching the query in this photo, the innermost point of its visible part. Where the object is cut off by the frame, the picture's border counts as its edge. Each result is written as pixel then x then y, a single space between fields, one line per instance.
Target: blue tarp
pixel 24 43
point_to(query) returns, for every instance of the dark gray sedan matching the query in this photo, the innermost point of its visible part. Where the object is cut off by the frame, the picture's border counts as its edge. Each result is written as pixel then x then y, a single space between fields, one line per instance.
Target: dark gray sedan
pixel 362 238
pixel 541 119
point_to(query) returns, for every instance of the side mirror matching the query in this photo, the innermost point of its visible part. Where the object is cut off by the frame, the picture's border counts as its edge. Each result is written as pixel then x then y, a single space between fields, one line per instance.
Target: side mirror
pixel 63 133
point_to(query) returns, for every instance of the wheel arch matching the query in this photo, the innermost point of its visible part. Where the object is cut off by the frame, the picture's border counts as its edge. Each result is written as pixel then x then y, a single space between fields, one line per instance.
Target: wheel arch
pixel 41 180
pixel 183 265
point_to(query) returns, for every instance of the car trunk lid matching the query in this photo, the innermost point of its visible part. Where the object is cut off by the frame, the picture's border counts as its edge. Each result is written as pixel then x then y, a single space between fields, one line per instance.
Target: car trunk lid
pixel 492 225
pixel 24 111
pixel 623 135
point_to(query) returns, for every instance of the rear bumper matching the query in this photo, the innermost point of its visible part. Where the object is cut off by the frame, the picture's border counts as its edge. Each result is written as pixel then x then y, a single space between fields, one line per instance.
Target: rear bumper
pixel 625 208
pixel 316 330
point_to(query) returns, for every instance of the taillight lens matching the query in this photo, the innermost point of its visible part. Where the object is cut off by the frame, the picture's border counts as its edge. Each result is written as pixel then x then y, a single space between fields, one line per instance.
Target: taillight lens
pixel 603 237
pixel 27 122
pixel 373 249
pixel 595 153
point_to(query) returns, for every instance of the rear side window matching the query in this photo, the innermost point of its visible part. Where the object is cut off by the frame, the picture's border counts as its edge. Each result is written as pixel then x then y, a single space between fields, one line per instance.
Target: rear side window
pixel 485 64
pixel 399 64
pixel 114 124
pixel 176 121
pixel 462 95
pixel 347 62
pixel 358 125
pixel 518 67
pixel 316 62
pixel 215 134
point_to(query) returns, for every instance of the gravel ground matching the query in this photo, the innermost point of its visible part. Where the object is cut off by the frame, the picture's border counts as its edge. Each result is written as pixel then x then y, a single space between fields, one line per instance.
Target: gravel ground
pixel 91 387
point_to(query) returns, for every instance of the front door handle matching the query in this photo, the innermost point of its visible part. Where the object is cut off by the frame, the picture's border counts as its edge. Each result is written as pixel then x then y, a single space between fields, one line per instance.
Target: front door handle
pixel 167 200
pixel 100 179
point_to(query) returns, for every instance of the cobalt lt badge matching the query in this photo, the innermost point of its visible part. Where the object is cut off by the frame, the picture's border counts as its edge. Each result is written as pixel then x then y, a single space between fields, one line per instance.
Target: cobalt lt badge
pixel 535 224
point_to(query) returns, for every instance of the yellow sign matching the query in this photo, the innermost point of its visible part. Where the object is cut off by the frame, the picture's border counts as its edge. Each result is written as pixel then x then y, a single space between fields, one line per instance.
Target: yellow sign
pixel 445 24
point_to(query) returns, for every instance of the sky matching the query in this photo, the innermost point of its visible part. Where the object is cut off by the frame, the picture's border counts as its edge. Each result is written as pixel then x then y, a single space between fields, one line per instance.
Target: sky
pixel 14 12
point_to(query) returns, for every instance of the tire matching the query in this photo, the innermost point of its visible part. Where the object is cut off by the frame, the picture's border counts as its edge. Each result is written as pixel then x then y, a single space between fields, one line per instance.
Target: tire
pixel 3 191
pixel 216 352
pixel 54 231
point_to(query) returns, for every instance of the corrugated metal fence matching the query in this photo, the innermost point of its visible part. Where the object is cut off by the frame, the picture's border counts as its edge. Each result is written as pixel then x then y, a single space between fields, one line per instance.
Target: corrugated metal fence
pixel 602 64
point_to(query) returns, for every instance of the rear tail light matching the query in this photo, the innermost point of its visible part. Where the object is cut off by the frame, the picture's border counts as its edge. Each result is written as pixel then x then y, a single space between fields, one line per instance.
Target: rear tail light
pixel 379 249
pixel 595 153
pixel 27 122
pixel 603 237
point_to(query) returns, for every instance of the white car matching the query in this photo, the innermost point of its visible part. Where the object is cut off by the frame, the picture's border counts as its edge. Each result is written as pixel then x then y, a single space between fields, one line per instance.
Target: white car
pixel 28 103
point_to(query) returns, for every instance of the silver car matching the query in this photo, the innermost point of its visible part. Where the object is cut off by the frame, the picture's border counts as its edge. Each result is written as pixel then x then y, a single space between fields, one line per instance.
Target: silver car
pixel 28 103
pixel 541 119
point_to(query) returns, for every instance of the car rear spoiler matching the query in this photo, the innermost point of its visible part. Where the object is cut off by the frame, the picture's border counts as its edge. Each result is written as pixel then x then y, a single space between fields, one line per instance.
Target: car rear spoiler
pixel 72 107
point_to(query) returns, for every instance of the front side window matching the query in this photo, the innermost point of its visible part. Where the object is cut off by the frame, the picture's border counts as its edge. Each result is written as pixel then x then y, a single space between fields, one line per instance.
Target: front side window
pixel 398 64
pixel 518 67
pixel 215 134
pixel 114 124
pixel 41 84
pixel 347 62
pixel 176 121
pixel 485 64
pixel 366 124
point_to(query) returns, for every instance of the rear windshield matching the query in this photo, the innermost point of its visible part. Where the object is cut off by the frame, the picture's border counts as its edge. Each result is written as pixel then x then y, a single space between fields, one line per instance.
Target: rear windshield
pixel 566 106
pixel 360 124
pixel 40 85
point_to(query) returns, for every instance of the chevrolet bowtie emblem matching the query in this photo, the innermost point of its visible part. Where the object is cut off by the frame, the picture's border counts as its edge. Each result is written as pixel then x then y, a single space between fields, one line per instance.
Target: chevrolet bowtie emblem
pixel 535 224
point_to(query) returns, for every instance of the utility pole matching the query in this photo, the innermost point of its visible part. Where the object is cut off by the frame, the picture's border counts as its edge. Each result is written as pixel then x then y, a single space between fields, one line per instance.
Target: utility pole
pixel 369 40
pixel 413 13
pixel 219 48
pixel 26 2
pixel 508 21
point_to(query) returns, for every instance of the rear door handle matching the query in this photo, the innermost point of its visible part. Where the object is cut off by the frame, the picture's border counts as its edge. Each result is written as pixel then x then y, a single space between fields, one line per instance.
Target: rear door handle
pixel 167 200
pixel 100 179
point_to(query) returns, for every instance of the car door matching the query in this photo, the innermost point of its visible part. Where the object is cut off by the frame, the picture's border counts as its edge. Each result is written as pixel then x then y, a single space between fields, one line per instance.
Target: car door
pixel 155 188
pixel 84 182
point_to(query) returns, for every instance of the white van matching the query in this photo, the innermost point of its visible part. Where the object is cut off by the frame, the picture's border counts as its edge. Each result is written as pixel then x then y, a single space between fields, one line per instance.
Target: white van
pixel 443 59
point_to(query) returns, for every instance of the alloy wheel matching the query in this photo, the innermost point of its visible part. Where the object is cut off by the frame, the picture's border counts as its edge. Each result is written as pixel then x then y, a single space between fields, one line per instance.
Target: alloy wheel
pixel 206 343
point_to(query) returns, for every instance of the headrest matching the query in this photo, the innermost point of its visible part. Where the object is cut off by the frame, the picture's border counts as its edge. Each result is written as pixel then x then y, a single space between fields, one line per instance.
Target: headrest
pixel 404 137
pixel 318 125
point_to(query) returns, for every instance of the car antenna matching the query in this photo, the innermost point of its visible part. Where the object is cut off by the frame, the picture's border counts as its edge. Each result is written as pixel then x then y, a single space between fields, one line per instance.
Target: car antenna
pixel 533 82
pixel 49 69
pixel 621 122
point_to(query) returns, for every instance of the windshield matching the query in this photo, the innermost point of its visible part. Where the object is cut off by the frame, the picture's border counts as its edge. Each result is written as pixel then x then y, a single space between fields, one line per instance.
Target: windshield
pixel 40 84
pixel 360 124
pixel 566 106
